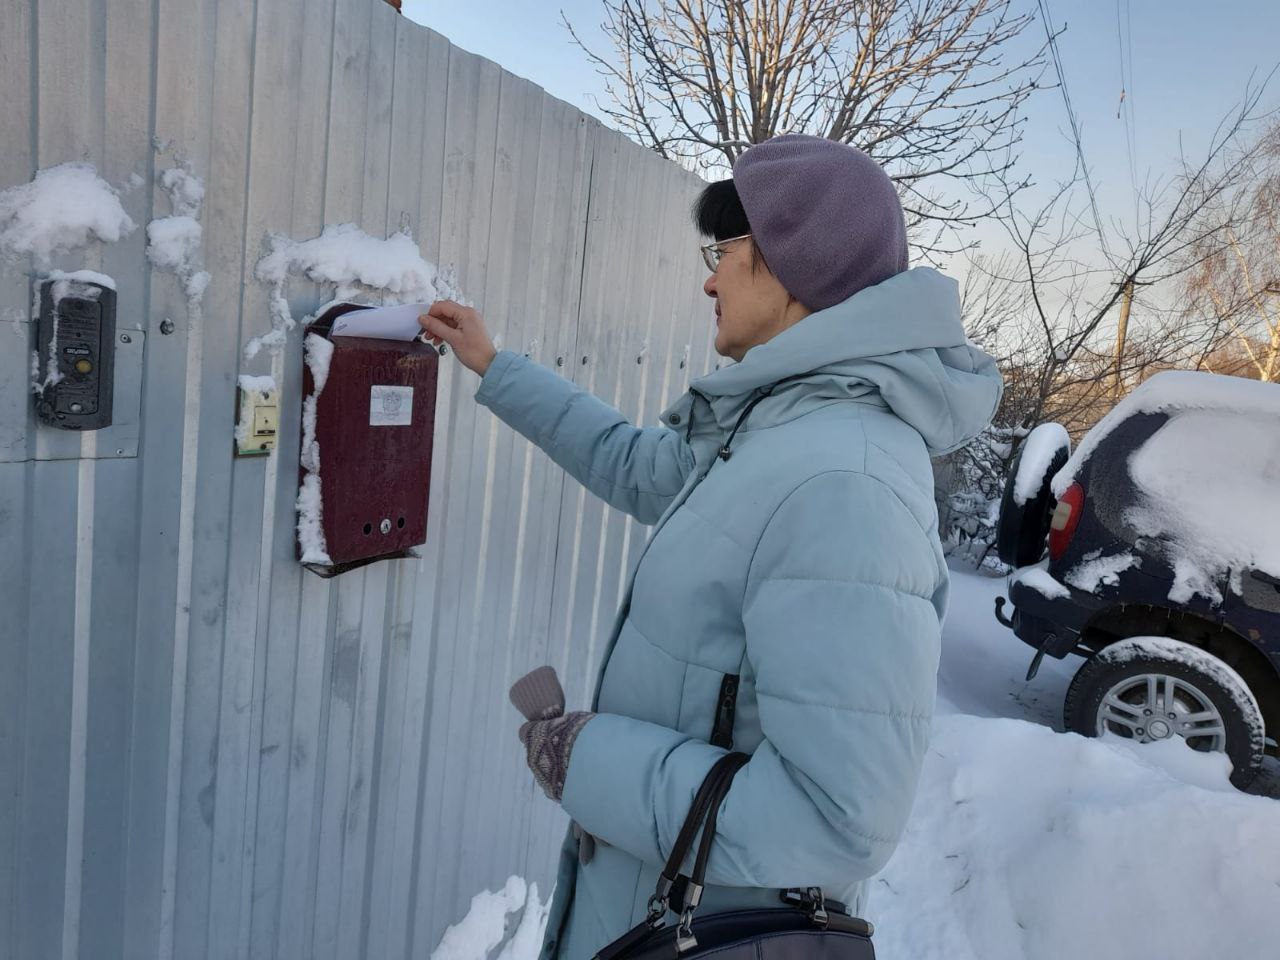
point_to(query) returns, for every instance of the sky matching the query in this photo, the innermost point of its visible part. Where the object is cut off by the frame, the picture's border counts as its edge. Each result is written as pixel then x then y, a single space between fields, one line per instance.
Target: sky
pixel 1185 63
pixel 1190 60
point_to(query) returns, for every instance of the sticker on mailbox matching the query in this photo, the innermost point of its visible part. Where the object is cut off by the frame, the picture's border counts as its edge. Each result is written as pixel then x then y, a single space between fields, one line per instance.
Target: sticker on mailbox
pixel 390 406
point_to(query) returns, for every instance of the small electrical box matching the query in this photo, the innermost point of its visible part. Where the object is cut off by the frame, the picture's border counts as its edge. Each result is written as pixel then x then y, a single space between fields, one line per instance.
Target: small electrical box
pixel 368 423
pixel 257 419
pixel 75 353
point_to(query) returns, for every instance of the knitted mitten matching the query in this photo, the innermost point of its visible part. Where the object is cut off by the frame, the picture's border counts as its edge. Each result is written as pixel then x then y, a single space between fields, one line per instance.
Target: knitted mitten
pixel 538 694
pixel 547 745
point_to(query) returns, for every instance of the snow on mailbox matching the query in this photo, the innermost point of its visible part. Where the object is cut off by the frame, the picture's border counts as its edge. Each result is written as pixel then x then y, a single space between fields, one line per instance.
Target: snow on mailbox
pixel 368 415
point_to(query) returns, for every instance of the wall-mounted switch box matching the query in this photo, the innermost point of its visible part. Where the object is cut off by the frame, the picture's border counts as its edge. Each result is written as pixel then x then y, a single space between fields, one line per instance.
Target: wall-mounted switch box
pixel 257 419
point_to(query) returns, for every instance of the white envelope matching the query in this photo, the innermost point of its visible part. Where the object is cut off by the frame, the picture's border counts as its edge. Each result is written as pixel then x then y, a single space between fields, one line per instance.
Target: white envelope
pixel 384 323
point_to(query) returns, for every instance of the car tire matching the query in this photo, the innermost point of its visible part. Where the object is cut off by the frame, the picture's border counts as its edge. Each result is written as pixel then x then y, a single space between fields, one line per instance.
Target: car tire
pixel 1023 529
pixel 1111 692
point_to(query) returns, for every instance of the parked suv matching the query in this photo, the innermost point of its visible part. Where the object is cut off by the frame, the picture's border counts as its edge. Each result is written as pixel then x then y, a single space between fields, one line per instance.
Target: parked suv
pixel 1162 567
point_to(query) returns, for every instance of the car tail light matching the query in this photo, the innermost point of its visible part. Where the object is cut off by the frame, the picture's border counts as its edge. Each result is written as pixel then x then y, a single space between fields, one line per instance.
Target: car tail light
pixel 1066 517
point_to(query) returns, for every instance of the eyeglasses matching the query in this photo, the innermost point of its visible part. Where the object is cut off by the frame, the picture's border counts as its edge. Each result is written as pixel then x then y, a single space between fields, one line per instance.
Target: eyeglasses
pixel 712 252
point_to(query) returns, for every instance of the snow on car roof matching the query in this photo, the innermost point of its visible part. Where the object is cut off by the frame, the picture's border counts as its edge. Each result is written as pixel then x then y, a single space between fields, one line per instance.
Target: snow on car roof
pixel 1206 480
pixel 1174 390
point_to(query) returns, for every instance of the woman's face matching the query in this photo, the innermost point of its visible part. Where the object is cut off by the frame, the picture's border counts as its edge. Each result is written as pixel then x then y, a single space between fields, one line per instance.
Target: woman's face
pixel 752 307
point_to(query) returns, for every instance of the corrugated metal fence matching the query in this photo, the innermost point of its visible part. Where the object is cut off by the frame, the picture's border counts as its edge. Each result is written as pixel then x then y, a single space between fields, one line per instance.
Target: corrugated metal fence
pixel 205 750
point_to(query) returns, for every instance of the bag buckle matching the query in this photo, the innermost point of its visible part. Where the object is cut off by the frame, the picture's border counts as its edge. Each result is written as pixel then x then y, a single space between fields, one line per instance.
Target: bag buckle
pixel 685 940
pixel 817 907
pixel 811 901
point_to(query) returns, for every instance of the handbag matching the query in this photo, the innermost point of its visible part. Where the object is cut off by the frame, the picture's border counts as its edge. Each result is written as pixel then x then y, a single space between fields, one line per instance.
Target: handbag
pixel 806 927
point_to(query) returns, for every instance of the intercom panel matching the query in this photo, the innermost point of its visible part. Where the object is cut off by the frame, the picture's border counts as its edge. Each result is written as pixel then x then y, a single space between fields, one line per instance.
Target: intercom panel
pixel 75 357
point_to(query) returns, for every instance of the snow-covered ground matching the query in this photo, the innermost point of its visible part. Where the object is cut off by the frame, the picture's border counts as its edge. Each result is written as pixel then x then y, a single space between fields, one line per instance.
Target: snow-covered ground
pixel 1030 844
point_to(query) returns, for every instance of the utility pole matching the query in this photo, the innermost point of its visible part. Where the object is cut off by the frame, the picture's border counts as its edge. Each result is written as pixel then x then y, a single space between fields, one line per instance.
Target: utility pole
pixel 1121 335
pixel 1272 288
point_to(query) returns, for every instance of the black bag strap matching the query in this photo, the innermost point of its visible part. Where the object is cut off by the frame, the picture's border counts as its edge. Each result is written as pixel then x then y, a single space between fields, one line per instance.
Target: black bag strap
pixel 733 763
pixel 709 793
pixel 704 812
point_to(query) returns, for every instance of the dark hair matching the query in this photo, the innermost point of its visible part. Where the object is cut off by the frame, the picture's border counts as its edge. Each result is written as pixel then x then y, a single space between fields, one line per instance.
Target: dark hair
pixel 718 213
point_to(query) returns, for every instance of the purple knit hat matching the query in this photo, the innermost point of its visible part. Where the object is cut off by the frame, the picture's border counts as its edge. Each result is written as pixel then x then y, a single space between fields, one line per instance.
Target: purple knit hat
pixel 824 214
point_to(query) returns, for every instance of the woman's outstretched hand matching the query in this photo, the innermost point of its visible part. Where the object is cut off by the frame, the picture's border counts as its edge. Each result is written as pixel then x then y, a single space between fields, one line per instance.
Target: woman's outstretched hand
pixel 462 328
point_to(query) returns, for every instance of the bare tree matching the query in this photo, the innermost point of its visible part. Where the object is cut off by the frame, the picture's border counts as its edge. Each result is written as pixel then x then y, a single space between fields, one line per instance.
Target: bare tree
pixel 1045 306
pixel 1072 271
pixel 1233 287
pixel 921 85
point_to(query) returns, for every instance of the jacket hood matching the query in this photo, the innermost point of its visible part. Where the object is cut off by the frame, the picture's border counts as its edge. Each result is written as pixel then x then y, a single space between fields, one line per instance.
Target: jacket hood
pixel 899 345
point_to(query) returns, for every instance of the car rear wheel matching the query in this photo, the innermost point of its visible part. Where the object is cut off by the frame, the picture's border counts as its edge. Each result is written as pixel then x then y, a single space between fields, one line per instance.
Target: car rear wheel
pixel 1026 505
pixel 1153 688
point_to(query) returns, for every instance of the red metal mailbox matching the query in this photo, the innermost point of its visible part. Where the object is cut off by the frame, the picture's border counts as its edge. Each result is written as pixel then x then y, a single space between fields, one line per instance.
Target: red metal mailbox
pixel 365 468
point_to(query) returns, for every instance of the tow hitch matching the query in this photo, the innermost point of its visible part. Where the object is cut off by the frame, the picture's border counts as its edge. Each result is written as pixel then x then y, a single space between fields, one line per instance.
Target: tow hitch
pixel 1000 602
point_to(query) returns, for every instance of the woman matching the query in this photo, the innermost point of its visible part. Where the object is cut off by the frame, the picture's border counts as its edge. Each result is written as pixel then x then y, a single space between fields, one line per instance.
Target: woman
pixel 790 599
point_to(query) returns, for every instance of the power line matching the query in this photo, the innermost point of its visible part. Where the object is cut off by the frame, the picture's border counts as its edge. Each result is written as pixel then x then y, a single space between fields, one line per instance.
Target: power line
pixel 1133 116
pixel 1125 112
pixel 1052 38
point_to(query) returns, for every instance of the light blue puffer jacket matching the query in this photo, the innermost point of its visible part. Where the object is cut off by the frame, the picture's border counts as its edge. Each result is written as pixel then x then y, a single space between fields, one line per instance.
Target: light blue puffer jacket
pixel 807 563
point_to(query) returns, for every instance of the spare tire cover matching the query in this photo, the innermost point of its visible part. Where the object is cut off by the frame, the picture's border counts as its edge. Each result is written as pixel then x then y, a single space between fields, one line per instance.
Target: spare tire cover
pixel 1023 527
